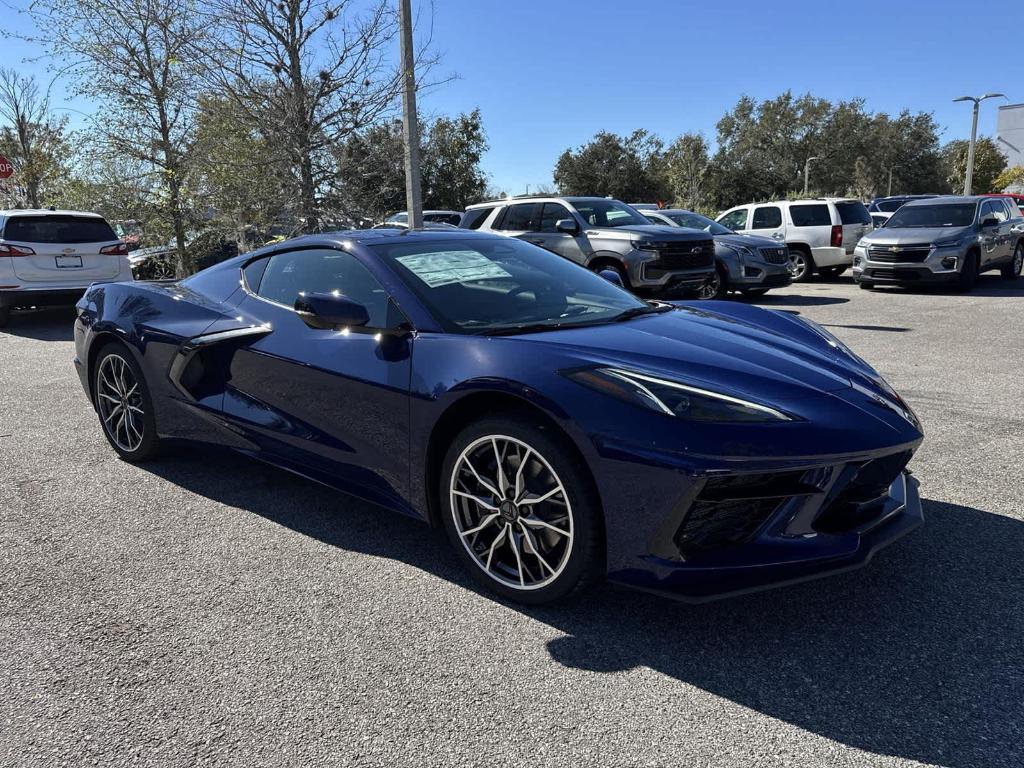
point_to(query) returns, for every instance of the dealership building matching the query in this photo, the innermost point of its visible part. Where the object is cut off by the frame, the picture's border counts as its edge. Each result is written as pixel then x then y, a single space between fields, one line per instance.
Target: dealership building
pixel 1010 133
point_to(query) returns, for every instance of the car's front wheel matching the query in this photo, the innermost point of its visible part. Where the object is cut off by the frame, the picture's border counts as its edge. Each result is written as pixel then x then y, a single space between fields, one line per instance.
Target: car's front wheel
pixel 521 511
pixel 124 404
pixel 714 287
pixel 801 265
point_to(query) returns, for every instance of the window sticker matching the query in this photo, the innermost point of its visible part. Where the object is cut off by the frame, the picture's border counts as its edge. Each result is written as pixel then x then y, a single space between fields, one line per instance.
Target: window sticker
pixel 448 267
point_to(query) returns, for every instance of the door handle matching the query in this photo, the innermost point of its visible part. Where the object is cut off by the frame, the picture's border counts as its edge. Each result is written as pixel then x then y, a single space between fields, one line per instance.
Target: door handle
pixel 778 236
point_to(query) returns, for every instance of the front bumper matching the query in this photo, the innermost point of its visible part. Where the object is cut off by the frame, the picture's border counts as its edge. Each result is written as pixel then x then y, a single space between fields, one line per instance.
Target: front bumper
pixel 757 275
pixel 941 266
pixel 730 533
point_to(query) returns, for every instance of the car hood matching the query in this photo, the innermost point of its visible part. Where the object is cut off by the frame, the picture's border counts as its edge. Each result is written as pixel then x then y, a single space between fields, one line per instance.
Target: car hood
pixel 649 232
pixel 912 235
pixel 726 346
pixel 748 241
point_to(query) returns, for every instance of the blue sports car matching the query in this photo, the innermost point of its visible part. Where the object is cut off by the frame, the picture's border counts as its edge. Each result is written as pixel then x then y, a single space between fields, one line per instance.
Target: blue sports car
pixel 559 429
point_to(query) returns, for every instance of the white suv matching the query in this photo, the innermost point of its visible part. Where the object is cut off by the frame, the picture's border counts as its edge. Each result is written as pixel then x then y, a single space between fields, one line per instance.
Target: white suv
pixel 821 234
pixel 51 257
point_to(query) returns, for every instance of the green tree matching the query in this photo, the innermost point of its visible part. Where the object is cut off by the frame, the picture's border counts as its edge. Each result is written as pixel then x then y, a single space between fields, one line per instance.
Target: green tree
pixel 989 163
pixel 1011 178
pixel 686 164
pixel 451 171
pixel 627 168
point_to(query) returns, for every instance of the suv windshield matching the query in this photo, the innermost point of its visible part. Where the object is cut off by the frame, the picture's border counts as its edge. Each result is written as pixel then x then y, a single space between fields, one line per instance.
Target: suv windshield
pixel 58 228
pixel 608 213
pixel 696 221
pixel 485 285
pixel 927 216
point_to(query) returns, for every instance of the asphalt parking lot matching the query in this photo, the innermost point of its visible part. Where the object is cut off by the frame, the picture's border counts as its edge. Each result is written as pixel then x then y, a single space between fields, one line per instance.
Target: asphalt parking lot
pixel 208 610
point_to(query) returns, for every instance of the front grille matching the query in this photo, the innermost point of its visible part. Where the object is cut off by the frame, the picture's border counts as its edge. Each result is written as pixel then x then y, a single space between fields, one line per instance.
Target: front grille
pixel 862 497
pixel 731 509
pixel 683 255
pixel 899 254
pixel 894 274
pixel 775 255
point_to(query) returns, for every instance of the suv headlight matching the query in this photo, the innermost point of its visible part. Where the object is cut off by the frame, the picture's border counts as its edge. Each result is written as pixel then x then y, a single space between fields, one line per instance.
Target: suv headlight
pixel 675 398
pixel 955 242
pixel 742 251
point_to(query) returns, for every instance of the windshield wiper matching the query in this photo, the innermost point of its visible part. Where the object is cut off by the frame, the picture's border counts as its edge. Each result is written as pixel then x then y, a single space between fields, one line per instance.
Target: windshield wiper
pixel 632 312
pixel 513 330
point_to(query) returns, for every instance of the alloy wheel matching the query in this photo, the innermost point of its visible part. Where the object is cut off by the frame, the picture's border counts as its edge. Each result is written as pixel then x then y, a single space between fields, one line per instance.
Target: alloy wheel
pixel 163 269
pixel 1018 260
pixel 512 512
pixel 119 399
pixel 797 264
pixel 711 287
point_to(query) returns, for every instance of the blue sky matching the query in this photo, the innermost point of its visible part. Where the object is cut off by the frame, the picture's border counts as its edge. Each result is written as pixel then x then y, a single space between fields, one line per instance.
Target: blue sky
pixel 548 74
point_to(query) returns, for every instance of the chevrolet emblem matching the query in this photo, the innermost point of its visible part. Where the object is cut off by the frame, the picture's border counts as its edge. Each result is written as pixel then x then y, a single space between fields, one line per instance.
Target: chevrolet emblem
pixel 895 249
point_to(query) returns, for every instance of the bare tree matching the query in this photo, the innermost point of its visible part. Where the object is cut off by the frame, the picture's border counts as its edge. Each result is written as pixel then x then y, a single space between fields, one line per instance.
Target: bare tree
pixel 134 58
pixel 29 133
pixel 310 73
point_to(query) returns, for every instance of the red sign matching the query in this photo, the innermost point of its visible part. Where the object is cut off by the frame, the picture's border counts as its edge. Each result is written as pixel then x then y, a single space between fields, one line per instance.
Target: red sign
pixel 6 168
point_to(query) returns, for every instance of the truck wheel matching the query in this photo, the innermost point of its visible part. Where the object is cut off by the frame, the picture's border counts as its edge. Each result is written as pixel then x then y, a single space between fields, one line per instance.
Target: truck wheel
pixel 801 265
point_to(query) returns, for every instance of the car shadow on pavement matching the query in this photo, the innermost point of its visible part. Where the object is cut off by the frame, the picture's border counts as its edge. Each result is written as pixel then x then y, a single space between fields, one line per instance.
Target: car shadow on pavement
pixel 987 285
pixel 918 655
pixel 795 300
pixel 46 324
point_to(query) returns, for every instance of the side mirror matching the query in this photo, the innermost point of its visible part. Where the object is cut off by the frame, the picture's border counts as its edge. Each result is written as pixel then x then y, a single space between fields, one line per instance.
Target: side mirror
pixel 330 310
pixel 569 226
pixel 611 276
pixel 989 222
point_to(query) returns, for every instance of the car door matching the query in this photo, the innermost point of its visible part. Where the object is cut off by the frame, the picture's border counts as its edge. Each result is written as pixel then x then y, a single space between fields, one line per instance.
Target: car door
pixel 573 247
pixel 767 221
pixel 736 219
pixel 333 402
pixel 518 220
pixel 990 238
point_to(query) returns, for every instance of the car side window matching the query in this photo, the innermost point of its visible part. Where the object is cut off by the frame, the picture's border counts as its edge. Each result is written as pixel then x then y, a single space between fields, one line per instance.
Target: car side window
pixel 253 273
pixel 735 219
pixel 986 211
pixel 551 214
pixel 811 215
pixel 767 217
pixel 323 270
pixel 519 217
pixel 1005 213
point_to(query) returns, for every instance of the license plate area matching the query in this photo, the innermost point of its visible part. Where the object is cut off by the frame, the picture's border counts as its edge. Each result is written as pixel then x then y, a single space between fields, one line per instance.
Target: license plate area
pixel 68 262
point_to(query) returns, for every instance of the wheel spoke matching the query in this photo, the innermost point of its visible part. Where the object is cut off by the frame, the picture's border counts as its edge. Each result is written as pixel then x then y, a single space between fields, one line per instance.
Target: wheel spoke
pixel 490 488
pixel 108 397
pixel 534 549
pixel 519 559
pixel 502 480
pixel 520 481
pixel 114 412
pixel 486 522
pixel 537 522
pixel 477 499
pixel 532 498
pixel 494 545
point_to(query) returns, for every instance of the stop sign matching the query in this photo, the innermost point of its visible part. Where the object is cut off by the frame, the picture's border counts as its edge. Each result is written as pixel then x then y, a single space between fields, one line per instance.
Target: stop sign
pixel 6 168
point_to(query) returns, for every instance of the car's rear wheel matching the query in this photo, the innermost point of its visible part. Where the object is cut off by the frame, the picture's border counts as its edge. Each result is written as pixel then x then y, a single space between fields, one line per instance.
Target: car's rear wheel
pixel 124 404
pixel 520 510
pixel 801 265
pixel 968 273
pixel 1012 270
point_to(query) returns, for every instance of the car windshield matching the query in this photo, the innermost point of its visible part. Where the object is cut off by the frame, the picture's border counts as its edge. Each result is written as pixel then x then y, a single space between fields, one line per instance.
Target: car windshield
pixel 696 221
pixel 928 216
pixel 608 213
pixel 888 206
pixel 500 285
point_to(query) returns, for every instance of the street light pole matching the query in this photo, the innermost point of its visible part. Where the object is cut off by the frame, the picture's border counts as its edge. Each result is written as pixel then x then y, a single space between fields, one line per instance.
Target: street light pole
pixel 969 177
pixel 807 172
pixel 410 123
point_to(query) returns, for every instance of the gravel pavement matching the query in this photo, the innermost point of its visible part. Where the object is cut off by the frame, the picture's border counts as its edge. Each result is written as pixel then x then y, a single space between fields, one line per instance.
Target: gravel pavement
pixel 207 610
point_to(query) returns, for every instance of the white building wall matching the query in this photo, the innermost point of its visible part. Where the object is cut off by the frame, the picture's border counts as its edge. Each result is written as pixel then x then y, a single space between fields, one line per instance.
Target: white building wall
pixel 1010 133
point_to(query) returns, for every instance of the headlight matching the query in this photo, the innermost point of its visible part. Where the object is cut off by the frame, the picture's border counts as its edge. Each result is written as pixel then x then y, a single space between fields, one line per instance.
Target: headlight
pixel 675 398
pixel 740 250
pixel 955 242
pixel 640 245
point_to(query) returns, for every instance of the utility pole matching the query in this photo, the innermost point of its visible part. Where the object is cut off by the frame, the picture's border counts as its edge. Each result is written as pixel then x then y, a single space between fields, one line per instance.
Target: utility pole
pixel 807 172
pixel 974 135
pixel 410 123
pixel 889 193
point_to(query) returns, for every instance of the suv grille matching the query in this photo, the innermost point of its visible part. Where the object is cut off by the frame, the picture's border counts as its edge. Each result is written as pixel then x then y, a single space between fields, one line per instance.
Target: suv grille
pixel 896 254
pixel 683 255
pixel 775 255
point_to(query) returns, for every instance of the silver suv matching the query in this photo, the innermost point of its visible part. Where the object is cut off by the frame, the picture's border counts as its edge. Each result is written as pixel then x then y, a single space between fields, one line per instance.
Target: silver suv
pixel 945 241
pixel 600 234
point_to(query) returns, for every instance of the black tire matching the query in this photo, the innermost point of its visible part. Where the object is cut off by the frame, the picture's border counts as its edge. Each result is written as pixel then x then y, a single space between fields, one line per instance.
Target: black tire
pixel 968 273
pixel 148 445
pixel 716 287
pixel 1012 270
pixel 801 264
pixel 754 293
pixel 5 316
pixel 580 556
pixel 830 273
pixel 865 285
pixel 618 269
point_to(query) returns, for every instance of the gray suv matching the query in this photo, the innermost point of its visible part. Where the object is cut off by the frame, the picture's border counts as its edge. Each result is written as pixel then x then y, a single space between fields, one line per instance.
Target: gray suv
pixel 600 234
pixel 943 240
